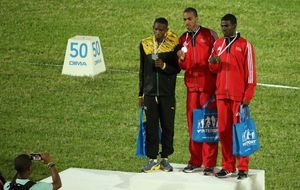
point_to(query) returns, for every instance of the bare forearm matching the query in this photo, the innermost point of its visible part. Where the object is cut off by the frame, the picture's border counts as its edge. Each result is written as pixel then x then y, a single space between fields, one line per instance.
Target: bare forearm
pixel 55 178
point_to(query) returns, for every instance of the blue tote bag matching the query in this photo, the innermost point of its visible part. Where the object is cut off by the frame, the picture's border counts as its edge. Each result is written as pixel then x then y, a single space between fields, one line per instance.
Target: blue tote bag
pixel 141 139
pixel 205 124
pixel 244 134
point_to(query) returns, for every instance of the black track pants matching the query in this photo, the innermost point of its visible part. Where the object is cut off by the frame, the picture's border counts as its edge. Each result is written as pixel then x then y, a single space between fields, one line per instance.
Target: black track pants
pixel 161 110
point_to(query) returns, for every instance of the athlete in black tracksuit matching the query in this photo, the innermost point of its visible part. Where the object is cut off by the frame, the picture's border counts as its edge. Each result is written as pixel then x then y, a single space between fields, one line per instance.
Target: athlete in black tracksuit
pixel 157 80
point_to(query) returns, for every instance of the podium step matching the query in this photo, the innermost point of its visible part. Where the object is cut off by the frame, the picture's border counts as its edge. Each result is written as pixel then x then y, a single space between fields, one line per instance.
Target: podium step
pixel 91 179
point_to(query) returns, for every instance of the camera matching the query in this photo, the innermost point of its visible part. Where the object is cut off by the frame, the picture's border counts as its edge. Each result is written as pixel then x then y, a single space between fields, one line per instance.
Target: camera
pixel 36 156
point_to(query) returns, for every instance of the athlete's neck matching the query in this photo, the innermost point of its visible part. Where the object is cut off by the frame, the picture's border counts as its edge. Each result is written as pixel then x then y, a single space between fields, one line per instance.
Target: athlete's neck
pixel 160 40
pixel 195 28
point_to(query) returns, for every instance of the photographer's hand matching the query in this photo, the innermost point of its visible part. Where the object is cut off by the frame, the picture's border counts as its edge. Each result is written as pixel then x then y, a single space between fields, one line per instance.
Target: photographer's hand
pixel 54 173
pixel 46 157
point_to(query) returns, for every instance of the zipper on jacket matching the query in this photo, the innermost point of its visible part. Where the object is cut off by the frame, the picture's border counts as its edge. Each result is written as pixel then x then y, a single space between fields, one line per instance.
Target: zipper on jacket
pixel 226 88
pixel 194 53
pixel 157 84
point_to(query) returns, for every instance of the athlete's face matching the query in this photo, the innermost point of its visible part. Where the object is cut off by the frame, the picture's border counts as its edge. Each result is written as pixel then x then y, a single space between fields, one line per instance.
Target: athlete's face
pixel 190 21
pixel 228 28
pixel 159 30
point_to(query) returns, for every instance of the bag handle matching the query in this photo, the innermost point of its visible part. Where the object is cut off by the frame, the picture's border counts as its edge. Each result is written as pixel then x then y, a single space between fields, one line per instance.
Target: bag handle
pixel 244 113
pixel 141 115
pixel 212 99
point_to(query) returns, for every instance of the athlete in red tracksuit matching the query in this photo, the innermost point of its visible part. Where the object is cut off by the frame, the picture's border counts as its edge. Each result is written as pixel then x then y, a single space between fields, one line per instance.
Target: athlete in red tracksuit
pixel 197 44
pixel 233 60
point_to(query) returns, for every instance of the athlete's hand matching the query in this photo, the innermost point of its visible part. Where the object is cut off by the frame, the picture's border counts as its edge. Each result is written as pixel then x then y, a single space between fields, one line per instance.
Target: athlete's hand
pixel 159 63
pixel 181 54
pixel 141 101
pixel 245 103
pixel 214 60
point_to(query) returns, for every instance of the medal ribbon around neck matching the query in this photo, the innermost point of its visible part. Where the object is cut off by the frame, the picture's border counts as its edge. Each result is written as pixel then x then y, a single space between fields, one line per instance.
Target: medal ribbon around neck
pixel 155 51
pixel 185 44
pixel 223 49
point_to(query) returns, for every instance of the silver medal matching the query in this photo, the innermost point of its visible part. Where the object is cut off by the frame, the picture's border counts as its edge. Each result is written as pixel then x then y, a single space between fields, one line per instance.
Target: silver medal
pixel 184 49
pixel 154 56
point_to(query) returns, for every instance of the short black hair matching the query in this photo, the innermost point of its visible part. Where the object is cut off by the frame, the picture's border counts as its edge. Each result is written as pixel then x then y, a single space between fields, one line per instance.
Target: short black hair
pixel 230 17
pixel 22 163
pixel 191 10
pixel 161 20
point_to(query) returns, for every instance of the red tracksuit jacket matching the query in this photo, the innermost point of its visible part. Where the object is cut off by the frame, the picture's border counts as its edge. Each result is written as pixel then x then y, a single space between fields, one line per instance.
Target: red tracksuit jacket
pixel 197 76
pixel 236 73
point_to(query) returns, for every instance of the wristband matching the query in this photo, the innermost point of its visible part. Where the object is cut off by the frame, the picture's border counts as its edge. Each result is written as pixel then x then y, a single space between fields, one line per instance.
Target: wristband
pixel 164 66
pixel 50 165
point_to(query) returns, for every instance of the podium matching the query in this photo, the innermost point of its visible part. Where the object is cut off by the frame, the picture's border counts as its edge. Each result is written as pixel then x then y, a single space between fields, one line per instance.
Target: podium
pixel 84 57
pixel 91 179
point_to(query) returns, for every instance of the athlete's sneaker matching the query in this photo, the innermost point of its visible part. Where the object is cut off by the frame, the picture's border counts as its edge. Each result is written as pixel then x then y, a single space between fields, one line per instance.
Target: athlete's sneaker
pixel 165 165
pixel 151 166
pixel 223 174
pixel 242 175
pixel 208 171
pixel 190 168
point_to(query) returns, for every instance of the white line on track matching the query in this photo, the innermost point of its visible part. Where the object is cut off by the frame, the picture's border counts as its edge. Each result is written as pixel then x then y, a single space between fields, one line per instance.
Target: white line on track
pixel 179 76
pixel 268 85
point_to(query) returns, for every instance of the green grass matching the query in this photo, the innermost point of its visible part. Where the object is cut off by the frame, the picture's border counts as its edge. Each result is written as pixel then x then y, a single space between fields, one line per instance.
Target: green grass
pixel 93 122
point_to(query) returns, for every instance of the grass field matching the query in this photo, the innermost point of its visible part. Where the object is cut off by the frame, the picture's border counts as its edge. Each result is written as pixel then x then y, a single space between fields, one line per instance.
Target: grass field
pixel 93 122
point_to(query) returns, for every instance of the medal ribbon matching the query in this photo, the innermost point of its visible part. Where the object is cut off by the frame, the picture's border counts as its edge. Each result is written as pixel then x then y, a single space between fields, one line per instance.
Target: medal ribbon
pixel 154 45
pixel 222 50
pixel 187 35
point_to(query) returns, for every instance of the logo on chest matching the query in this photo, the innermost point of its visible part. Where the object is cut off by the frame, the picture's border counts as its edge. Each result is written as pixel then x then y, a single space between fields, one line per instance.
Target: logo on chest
pixel 202 40
pixel 237 48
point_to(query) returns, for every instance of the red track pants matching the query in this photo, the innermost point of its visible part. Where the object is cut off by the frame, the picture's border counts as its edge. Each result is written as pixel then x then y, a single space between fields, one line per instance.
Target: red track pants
pixel 227 115
pixel 201 153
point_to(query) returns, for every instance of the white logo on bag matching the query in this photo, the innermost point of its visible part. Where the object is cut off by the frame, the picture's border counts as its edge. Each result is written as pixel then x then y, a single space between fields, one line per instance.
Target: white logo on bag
pixel 248 137
pixel 208 125
pixel 214 121
pixel 207 122
pixel 200 124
